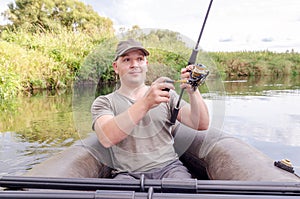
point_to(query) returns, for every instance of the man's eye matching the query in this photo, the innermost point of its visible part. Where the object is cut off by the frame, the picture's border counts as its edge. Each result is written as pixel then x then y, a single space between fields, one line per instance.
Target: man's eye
pixel 126 60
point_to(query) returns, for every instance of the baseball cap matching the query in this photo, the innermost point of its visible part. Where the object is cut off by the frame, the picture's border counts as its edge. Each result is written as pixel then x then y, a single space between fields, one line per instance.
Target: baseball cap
pixel 127 46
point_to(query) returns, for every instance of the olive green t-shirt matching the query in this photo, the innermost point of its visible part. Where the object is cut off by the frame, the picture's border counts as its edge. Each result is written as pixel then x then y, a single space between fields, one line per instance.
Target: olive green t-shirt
pixel 150 144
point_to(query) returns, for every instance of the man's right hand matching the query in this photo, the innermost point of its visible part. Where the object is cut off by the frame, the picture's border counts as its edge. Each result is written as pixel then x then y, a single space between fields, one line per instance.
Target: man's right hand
pixel 158 92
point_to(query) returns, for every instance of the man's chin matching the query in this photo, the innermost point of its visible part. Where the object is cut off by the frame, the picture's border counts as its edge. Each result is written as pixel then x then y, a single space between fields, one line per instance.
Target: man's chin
pixel 135 78
pixel 134 81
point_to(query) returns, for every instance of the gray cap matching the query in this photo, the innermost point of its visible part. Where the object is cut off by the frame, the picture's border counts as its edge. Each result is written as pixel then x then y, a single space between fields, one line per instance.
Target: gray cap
pixel 128 45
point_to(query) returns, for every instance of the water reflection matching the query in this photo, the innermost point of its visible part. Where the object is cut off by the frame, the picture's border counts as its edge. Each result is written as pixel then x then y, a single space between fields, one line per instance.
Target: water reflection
pixel 260 85
pixel 264 109
pixel 264 112
pixel 33 128
pixel 82 99
pixel 18 155
pixel 43 117
pixel 272 119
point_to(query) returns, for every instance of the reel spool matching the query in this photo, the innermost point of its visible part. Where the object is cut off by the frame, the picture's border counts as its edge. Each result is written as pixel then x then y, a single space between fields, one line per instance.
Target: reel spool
pixel 198 75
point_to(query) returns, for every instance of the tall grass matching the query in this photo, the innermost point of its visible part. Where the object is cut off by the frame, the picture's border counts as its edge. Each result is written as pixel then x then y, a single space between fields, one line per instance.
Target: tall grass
pixel 259 63
pixel 41 60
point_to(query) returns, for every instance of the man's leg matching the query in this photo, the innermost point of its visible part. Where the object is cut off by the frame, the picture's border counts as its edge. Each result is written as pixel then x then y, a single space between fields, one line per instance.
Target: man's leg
pixel 123 176
pixel 174 170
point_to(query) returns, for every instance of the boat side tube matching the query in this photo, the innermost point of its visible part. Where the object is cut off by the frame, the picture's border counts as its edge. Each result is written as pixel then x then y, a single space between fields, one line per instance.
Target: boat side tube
pixel 224 158
pixel 76 161
pixel 229 158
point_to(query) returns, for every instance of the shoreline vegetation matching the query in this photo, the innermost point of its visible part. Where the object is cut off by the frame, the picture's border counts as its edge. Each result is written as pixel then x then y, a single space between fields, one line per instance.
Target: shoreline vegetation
pixel 38 56
pixel 53 61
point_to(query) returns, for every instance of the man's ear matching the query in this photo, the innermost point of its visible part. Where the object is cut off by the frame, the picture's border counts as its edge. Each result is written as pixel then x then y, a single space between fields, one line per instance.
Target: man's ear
pixel 115 67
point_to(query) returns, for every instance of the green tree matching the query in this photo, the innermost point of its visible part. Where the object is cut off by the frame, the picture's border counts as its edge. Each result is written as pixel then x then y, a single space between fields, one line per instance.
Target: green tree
pixel 52 15
pixel 158 38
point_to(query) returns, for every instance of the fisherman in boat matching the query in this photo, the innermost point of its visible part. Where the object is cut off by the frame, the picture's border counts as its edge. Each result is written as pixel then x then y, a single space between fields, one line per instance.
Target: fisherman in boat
pixel 133 122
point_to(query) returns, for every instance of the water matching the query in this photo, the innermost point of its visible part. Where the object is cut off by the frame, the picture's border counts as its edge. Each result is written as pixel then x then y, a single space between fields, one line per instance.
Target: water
pixel 266 114
pixel 263 112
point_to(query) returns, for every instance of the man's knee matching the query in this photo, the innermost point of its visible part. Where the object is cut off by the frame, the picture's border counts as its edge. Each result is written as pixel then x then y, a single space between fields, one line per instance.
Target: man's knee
pixel 123 176
pixel 177 170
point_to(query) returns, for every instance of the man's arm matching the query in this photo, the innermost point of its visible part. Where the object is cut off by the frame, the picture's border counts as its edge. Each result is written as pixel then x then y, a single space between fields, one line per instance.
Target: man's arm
pixel 111 130
pixel 195 114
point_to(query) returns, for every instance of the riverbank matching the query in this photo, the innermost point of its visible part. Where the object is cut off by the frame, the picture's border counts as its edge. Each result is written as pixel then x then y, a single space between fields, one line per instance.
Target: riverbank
pixel 31 61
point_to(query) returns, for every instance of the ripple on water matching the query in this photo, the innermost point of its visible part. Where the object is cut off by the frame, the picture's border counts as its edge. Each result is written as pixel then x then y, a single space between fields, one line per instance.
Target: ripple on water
pixel 18 156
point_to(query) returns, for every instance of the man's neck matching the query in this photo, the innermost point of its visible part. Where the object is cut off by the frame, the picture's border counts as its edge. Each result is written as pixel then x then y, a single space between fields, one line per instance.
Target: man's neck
pixel 133 93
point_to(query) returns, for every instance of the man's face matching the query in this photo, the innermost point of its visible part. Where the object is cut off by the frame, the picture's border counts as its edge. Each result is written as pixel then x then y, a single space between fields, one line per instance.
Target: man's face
pixel 131 67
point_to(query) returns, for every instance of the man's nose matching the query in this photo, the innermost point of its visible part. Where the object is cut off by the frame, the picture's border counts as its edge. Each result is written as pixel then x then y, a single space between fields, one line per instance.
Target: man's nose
pixel 134 63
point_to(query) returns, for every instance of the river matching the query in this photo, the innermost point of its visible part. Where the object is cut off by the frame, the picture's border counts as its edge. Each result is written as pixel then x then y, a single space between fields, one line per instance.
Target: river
pixel 264 112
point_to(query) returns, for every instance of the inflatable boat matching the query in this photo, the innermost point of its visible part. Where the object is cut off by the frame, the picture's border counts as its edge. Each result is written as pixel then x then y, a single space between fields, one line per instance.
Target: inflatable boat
pixel 225 158
pixel 214 159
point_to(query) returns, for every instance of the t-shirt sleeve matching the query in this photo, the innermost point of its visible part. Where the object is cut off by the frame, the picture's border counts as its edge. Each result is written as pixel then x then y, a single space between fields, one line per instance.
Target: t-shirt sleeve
pixel 101 106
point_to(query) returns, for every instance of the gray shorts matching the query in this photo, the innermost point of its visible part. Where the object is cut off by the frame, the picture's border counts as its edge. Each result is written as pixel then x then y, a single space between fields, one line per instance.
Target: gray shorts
pixel 172 170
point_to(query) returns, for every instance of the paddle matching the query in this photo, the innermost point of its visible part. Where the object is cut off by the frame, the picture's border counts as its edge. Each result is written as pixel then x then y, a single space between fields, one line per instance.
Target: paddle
pixel 125 195
pixel 165 185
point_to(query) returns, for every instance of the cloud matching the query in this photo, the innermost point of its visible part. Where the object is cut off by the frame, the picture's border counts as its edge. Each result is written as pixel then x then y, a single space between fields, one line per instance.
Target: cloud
pixel 226 40
pixel 269 39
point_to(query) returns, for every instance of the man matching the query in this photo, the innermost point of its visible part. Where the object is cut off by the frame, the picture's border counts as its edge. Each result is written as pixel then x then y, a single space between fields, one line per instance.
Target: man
pixel 133 122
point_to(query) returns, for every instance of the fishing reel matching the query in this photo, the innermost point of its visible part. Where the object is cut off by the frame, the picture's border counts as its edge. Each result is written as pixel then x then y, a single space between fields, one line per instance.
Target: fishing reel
pixel 198 75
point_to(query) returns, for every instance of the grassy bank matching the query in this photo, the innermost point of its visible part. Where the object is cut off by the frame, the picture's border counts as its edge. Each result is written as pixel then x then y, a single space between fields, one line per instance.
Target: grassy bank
pixel 261 63
pixel 41 61
pixel 50 61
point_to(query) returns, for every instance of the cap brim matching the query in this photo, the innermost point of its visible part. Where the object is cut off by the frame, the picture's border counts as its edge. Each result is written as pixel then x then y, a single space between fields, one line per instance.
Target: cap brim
pixel 131 49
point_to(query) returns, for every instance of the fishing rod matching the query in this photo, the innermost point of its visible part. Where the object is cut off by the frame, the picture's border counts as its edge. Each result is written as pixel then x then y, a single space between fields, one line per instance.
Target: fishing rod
pixel 198 74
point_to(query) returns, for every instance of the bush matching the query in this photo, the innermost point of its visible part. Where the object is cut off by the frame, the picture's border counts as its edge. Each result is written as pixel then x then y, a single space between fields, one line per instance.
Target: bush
pixel 98 64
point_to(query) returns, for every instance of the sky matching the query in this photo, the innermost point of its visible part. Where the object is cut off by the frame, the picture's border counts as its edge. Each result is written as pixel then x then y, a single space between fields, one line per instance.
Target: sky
pixel 232 25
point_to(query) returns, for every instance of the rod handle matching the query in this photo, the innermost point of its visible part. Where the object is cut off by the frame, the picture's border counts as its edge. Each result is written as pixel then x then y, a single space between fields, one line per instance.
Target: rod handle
pixel 174 115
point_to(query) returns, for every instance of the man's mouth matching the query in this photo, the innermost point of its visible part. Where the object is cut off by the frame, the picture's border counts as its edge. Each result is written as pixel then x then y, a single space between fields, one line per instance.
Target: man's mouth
pixel 135 72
